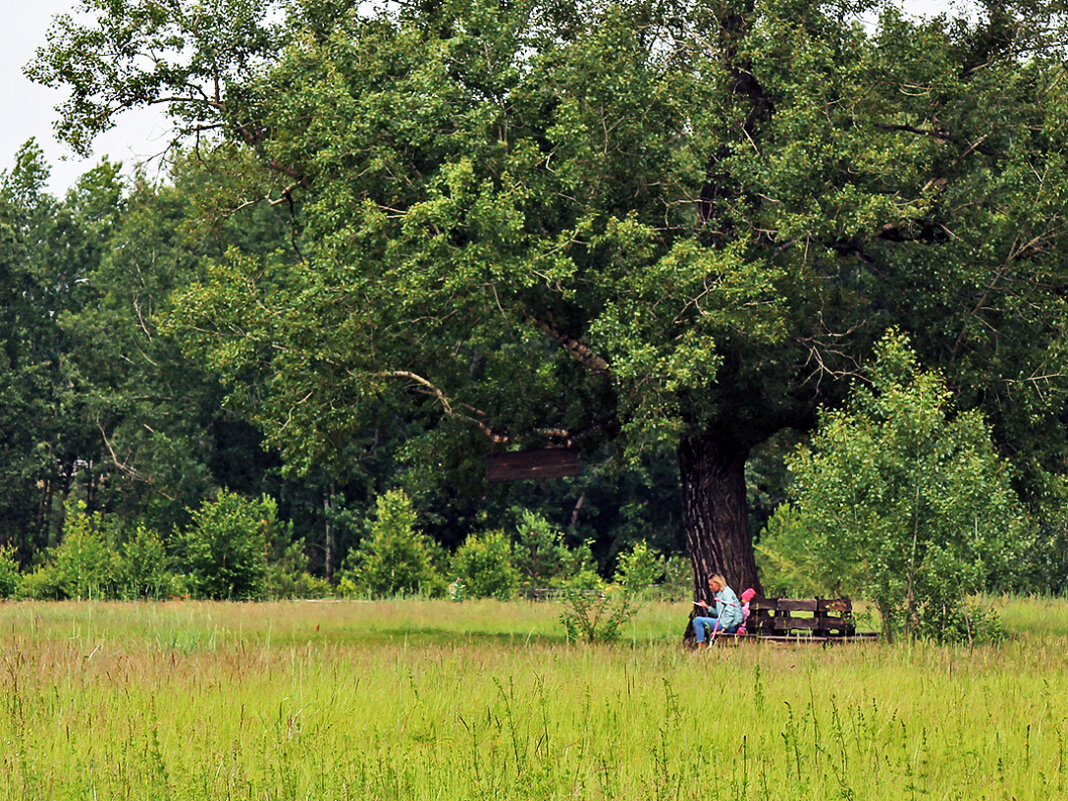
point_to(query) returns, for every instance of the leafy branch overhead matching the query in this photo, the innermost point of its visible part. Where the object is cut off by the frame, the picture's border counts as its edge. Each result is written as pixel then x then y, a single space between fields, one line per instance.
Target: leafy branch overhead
pixel 684 222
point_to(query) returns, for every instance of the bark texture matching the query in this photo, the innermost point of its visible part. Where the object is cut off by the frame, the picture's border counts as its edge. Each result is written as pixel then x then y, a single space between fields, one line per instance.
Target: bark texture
pixel 715 512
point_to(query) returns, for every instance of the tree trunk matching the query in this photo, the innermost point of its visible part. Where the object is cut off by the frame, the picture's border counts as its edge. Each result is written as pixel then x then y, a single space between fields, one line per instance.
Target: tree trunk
pixel 716 513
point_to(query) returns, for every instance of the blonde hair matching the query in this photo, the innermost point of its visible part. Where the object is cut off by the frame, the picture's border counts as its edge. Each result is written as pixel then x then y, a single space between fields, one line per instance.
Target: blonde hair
pixel 722 582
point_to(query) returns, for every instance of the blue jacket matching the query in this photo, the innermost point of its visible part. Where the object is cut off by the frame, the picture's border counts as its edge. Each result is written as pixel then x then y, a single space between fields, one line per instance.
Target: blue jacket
pixel 728 608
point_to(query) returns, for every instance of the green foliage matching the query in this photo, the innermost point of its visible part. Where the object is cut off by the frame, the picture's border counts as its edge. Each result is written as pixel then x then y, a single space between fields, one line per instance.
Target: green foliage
pixel 561 221
pixel 599 614
pixel 484 564
pixel 639 569
pixel 596 616
pixel 595 613
pixel 144 568
pixel 46 250
pixel 83 565
pixel 788 565
pixel 288 576
pixel 545 561
pixel 903 501
pixel 396 559
pixel 9 572
pixel 678 579
pixel 1045 568
pixel 224 551
pixel 539 553
pixel 579 570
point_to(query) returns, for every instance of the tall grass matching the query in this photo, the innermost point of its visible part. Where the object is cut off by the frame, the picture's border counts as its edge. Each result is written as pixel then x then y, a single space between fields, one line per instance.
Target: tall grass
pixel 425 700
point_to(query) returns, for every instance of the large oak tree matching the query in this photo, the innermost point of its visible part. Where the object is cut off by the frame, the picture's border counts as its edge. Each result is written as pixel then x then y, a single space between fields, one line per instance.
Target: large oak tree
pixel 562 222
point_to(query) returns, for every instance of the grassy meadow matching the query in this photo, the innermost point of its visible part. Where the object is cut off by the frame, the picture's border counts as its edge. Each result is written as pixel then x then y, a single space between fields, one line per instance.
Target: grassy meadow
pixel 484 700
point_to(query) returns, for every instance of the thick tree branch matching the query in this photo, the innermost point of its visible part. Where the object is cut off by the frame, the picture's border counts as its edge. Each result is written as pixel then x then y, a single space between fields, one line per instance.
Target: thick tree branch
pixel 562 436
pixel 580 351
pixel 132 472
pixel 946 136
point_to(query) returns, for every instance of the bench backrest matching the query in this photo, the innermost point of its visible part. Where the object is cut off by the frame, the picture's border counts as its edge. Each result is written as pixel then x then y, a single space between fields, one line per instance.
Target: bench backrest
pixel 825 617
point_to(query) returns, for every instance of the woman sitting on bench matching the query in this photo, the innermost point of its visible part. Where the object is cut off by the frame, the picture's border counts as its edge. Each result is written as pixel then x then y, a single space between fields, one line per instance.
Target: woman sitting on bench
pixel 727 616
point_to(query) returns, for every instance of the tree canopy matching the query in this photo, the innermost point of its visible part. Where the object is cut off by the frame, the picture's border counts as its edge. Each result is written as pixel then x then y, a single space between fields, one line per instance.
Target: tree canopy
pixel 904 502
pixel 572 223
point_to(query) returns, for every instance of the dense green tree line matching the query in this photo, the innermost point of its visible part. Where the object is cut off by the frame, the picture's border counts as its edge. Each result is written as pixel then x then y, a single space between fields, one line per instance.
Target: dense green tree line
pixel 411 235
pixel 100 405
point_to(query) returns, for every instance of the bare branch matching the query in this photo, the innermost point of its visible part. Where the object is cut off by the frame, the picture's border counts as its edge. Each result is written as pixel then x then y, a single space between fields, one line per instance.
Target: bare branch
pixel 132 472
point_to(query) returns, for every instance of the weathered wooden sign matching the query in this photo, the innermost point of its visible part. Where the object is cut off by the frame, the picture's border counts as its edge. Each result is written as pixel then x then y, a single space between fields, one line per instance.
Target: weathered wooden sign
pixel 524 465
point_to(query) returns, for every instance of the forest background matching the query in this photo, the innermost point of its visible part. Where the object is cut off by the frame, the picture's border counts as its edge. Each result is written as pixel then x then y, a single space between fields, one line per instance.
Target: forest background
pixel 392 242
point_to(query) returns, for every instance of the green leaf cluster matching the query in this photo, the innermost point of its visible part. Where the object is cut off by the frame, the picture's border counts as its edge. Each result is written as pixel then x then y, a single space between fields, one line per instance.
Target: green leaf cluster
pixel 544 559
pixel 95 560
pixel 395 558
pixel 224 551
pixel 485 566
pixel 903 500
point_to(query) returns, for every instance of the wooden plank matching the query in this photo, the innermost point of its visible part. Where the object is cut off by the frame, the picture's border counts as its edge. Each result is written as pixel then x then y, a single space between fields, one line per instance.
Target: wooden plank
pixel 798 639
pixel 843 604
pixel 784 604
pixel 526 465
pixel 808 623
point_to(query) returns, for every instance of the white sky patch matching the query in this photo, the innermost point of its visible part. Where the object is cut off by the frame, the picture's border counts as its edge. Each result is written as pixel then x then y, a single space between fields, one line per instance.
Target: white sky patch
pixel 31 108
pixel 140 135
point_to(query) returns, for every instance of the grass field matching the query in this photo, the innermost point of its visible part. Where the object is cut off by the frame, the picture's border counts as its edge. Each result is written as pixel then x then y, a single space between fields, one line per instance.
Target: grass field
pixel 484 700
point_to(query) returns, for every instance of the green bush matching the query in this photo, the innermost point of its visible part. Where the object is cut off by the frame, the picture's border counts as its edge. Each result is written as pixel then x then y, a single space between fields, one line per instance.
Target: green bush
pixel 597 613
pixel 395 559
pixel 484 564
pixel 41 584
pixel 539 554
pixel 225 549
pixel 639 569
pixel 9 572
pixel 544 560
pixel 144 568
pixel 288 576
pixel 579 570
pixel 594 616
pixel 790 565
pixel 902 501
pixel 83 565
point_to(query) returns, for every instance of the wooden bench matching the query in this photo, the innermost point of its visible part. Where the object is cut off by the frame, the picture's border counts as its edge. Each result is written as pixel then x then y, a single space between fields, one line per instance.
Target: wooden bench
pixel 800 620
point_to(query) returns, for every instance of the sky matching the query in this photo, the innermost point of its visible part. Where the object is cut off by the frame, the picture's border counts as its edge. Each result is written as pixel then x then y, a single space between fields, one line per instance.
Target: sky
pixel 30 108
pixel 139 135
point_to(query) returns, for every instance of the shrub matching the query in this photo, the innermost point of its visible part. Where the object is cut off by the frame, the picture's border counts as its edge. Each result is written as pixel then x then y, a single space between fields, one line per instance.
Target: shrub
pixel 790 565
pixel 639 569
pixel 288 576
pixel 144 569
pixel 904 502
pixel 484 564
pixel 579 570
pixel 396 559
pixel 225 550
pixel 9 572
pixel 544 560
pixel 596 616
pixel 83 565
pixel 539 555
